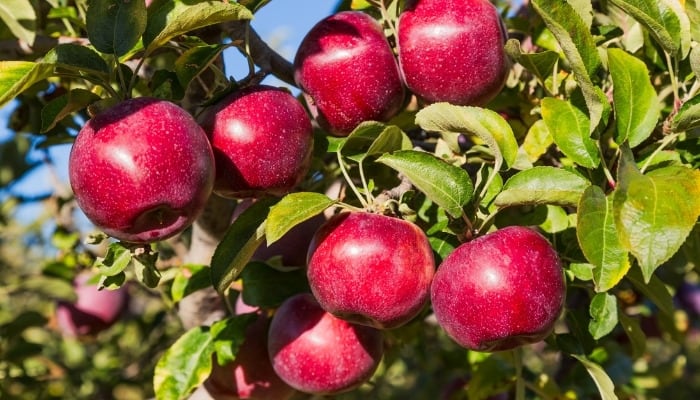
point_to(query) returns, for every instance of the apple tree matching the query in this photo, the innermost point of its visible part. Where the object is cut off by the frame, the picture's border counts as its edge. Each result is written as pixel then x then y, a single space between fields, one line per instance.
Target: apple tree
pixel 457 199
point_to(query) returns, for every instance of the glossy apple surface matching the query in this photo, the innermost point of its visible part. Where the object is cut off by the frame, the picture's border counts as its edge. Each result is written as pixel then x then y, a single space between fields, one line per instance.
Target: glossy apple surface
pixel 371 269
pixel 93 311
pixel 262 140
pixel 452 50
pixel 251 375
pixel 499 291
pixel 315 352
pixel 345 65
pixel 142 170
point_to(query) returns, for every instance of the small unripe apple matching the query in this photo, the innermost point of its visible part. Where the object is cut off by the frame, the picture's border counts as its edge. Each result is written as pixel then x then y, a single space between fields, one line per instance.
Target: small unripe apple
pixel 142 170
pixel 371 269
pixel 93 311
pixel 315 352
pixel 452 50
pixel 262 140
pixel 499 291
pixel 346 66
pixel 251 375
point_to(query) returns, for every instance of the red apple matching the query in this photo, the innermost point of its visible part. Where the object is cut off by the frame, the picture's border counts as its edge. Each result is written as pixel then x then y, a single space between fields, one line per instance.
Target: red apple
pixel 315 352
pixel 142 170
pixel 262 140
pixel 452 50
pixel 346 66
pixel 371 269
pixel 93 311
pixel 251 375
pixel 499 291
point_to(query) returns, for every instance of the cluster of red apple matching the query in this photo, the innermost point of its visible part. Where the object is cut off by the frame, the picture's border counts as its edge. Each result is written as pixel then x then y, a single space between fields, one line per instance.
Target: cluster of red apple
pixel 143 170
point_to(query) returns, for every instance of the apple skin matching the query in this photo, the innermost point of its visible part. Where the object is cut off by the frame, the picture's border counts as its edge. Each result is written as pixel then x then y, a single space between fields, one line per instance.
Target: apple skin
pixel 262 139
pixel 315 352
pixel 251 375
pixel 142 170
pixel 499 291
pixel 346 66
pixel 452 50
pixel 371 269
pixel 94 311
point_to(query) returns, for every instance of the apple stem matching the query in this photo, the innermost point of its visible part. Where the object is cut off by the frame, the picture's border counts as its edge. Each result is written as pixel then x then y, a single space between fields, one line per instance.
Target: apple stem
pixel 519 382
pixel 341 164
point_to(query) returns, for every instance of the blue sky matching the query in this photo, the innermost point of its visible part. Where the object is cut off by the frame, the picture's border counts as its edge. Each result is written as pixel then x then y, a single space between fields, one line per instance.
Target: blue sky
pixel 282 23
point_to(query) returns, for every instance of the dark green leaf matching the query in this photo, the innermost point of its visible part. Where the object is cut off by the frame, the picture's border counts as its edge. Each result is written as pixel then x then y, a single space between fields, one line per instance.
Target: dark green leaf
pixel 241 240
pixel 21 322
pixel 185 365
pixel 542 185
pixel 145 269
pixel 606 387
pixel 635 334
pixel 18 76
pixel 19 16
pixel 169 19
pixel 373 138
pixel 597 236
pixel 663 24
pixel 196 278
pixel 195 60
pixel 292 210
pixel 65 106
pixel 654 213
pixel 603 312
pixel 228 335
pixel 580 49
pixel 568 126
pixel 448 186
pixel 637 109
pixel 77 58
pixel 267 287
pixel 451 121
pixel 540 64
pixel 115 26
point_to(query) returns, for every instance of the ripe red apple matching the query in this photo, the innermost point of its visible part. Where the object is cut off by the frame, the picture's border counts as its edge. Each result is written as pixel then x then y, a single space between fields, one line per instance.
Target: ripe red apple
pixel 315 352
pixel 499 291
pixel 251 375
pixel 93 311
pixel 142 170
pixel 452 50
pixel 371 269
pixel 346 66
pixel 262 140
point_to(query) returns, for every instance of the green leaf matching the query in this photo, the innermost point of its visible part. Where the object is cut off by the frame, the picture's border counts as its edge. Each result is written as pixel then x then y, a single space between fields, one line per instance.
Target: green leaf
pixel 445 184
pixel 185 365
pixel 229 334
pixel 173 18
pixel 115 261
pixel 582 271
pixel 580 49
pixel 654 213
pixel 603 310
pixel 196 60
pixel 115 26
pixel 688 116
pixel 53 288
pixel 18 76
pixel 145 269
pixel 292 210
pixel 569 127
pixel 637 108
pixel 241 240
pixel 653 289
pixel 451 121
pixel 537 141
pixel 195 278
pixel 372 138
pixel 540 64
pixel 634 332
pixel 605 385
pixel 542 185
pixel 597 236
pixel 267 287
pixel 662 22
pixel 77 58
pixel 65 106
pixel 20 18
